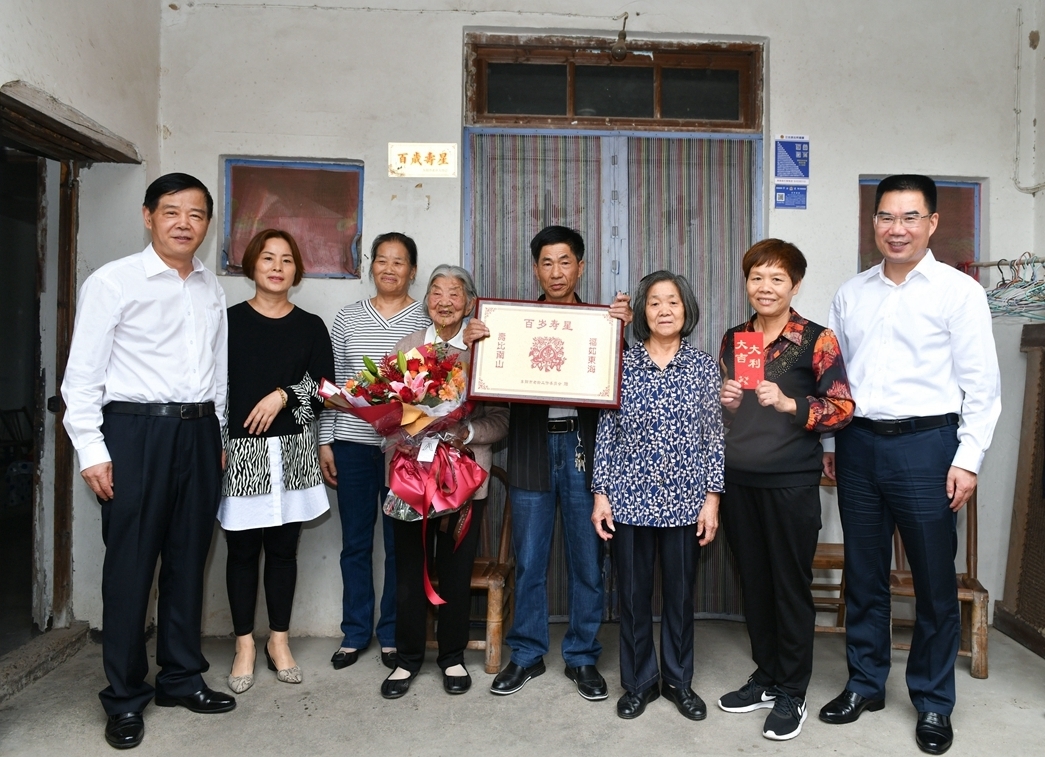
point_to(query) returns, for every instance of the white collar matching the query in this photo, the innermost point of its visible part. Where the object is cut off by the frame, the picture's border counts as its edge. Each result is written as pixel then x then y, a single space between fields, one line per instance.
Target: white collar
pixel 457 340
pixel 154 264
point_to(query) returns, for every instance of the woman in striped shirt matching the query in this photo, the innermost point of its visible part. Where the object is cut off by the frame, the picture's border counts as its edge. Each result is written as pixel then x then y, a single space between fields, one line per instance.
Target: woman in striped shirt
pixel 350 450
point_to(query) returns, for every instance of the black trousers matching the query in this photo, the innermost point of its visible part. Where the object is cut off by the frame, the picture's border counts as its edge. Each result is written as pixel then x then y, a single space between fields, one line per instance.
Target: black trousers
pixel 166 487
pixel 634 554
pixel 454 569
pixel 773 535
pixel 281 574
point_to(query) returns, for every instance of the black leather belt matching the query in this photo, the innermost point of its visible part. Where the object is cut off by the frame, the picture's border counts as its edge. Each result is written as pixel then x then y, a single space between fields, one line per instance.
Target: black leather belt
pixel 561 425
pixel 907 425
pixel 184 410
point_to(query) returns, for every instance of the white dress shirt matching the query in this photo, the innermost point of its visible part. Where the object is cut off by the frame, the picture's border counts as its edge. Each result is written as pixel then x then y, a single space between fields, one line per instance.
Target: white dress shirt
pixel 920 348
pixel 143 334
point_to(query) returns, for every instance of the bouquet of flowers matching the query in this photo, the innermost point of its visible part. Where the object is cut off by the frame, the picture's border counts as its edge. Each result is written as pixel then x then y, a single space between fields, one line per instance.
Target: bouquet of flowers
pixel 410 399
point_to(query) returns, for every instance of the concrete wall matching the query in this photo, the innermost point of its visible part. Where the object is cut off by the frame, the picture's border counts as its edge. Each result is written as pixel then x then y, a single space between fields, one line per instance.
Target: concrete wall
pixel 340 82
pixel 884 87
pixel 110 227
pixel 100 57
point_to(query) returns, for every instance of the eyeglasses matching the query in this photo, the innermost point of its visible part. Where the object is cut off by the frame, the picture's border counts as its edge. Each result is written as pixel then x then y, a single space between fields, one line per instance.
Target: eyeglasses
pixel 909 220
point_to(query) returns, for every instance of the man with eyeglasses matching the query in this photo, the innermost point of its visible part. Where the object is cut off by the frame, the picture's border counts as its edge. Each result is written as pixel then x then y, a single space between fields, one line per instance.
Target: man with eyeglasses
pixel 917 341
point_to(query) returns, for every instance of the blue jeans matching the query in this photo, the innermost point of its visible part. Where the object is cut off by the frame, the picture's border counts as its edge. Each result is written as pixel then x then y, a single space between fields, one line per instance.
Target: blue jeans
pixel 360 484
pixel 533 517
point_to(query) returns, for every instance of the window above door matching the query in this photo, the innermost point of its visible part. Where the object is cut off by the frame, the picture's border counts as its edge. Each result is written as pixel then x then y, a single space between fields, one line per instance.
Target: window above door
pixel 572 82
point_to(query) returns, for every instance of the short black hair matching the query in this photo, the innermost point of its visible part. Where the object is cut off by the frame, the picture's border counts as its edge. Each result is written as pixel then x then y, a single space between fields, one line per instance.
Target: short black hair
pixel 907 182
pixel 395 236
pixel 640 326
pixel 175 182
pixel 550 235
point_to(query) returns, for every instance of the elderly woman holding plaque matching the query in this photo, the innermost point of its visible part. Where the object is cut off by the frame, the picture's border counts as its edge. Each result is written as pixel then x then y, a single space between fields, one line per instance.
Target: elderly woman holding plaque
pixel 786 384
pixel 449 540
pixel 657 480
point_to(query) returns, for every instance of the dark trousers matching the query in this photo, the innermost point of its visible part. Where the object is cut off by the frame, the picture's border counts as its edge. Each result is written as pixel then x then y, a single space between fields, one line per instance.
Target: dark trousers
pixel 887 482
pixel 166 485
pixel 281 574
pixel 634 554
pixel 454 569
pixel 773 535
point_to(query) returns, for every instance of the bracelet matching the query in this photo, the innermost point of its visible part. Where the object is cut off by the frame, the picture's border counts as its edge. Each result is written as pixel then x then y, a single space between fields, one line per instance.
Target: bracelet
pixel 282 395
pixel 471 432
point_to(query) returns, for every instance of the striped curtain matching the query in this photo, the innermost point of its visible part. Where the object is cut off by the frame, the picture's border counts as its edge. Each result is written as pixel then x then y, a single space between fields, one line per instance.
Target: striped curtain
pixel 690 211
pixel 520 184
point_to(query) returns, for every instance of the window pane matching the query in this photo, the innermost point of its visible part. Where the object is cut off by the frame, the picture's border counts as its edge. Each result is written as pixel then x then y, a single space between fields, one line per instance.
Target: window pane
pixel 526 89
pixel 606 91
pixel 700 93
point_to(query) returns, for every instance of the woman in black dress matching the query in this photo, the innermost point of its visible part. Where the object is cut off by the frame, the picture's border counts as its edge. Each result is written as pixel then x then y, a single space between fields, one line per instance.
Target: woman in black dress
pixel 273 483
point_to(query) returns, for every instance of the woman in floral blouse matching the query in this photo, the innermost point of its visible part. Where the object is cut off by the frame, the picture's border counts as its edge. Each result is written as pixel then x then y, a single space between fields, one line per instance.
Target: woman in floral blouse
pixel 657 478
pixel 771 506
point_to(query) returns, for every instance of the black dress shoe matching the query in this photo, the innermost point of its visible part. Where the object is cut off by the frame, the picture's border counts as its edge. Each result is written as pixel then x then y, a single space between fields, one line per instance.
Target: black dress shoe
pixel 590 683
pixel 933 732
pixel 343 659
pixel 456 684
pixel 847 706
pixel 687 702
pixel 632 705
pixel 393 688
pixel 514 677
pixel 206 701
pixel 125 731
pixel 388 659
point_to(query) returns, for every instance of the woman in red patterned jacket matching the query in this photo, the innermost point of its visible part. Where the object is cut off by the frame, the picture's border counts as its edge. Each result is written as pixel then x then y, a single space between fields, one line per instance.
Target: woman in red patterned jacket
pixel 771 504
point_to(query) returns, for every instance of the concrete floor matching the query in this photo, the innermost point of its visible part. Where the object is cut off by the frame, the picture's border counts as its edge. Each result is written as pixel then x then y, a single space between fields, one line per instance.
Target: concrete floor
pixel 342 713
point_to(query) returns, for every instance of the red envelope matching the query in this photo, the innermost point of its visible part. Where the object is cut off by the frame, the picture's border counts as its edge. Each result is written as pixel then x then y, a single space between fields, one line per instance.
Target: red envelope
pixel 748 365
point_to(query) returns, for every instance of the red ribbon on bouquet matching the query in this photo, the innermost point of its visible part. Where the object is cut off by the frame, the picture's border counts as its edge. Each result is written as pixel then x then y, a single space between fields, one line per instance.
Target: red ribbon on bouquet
pixel 446 484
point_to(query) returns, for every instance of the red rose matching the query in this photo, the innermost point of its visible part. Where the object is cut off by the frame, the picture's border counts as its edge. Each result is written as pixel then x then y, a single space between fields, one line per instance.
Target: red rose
pixel 406 394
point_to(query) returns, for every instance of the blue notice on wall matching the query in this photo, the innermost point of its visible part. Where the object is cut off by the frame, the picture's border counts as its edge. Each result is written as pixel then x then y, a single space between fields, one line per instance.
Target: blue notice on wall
pixel 790 196
pixel 792 157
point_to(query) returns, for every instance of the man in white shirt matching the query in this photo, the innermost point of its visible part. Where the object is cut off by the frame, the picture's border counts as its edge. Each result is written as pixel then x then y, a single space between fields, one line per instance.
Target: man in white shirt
pixel 918 347
pixel 144 390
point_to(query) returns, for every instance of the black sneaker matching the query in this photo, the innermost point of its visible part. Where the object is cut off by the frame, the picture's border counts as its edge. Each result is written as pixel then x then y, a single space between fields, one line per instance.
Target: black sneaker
pixel 749 697
pixel 785 721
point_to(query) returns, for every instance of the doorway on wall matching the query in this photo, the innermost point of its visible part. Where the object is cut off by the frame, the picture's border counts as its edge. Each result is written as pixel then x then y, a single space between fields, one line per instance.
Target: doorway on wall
pixel 653 152
pixel 44 143
pixel 21 186
pixel 642 202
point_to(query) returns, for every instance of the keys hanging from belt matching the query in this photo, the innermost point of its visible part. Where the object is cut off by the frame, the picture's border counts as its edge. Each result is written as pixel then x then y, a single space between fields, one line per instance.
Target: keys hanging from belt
pixel 578 454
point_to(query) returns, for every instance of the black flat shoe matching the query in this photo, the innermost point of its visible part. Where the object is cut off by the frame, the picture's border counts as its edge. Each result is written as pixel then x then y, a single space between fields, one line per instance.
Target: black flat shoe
pixel 343 659
pixel 590 683
pixel 456 684
pixel 687 702
pixel 395 688
pixel 933 732
pixel 847 706
pixel 632 705
pixel 125 731
pixel 514 677
pixel 388 659
pixel 205 701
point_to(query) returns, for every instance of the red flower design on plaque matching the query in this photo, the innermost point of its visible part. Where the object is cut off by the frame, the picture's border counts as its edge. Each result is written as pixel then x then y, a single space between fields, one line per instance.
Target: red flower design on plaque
pixel 547 352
